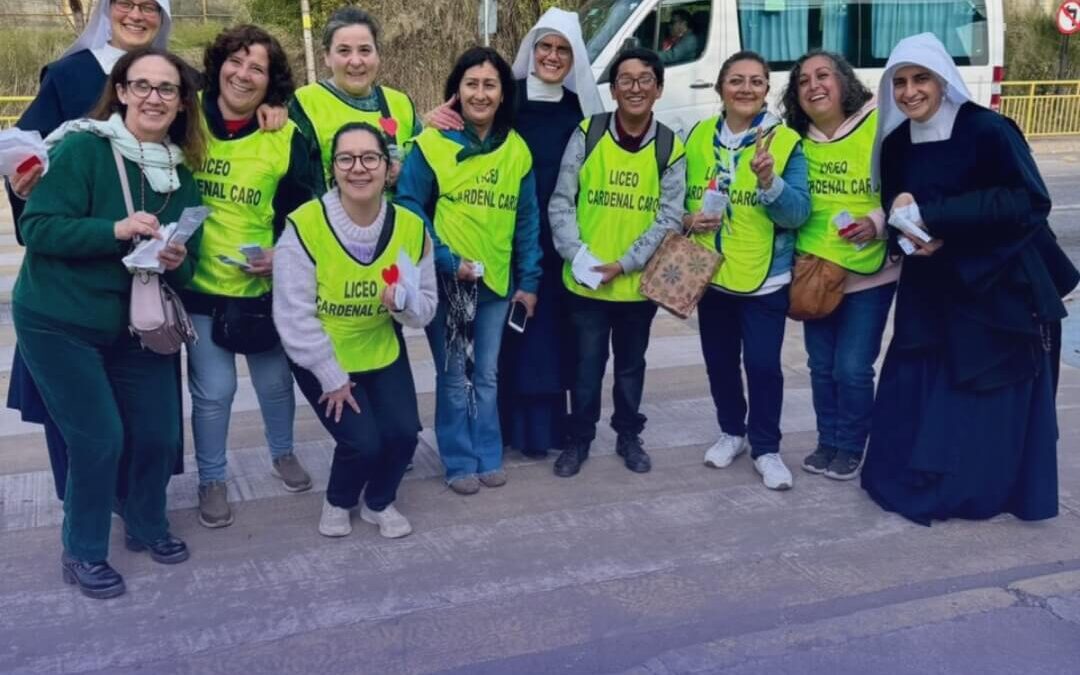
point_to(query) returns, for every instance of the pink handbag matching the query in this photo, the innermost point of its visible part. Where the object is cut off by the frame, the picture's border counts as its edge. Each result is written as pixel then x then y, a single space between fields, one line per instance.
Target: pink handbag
pixel 156 314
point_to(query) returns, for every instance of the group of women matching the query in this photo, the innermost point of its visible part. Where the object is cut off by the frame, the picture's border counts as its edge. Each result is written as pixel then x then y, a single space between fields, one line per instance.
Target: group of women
pixel 360 221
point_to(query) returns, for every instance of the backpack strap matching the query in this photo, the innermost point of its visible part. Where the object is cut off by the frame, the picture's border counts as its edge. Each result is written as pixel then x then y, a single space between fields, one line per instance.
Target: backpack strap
pixel 598 126
pixel 665 145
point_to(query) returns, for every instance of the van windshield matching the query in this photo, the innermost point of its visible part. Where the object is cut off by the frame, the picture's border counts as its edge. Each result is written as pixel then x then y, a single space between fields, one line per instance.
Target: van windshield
pixel 601 21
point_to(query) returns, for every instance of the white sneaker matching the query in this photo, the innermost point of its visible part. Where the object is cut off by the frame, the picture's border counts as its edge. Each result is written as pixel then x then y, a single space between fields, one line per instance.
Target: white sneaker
pixel 724 451
pixel 392 524
pixel 773 472
pixel 334 521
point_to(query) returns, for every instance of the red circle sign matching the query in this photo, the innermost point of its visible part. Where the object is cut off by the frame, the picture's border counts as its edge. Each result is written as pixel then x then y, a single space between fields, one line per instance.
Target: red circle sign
pixel 1068 17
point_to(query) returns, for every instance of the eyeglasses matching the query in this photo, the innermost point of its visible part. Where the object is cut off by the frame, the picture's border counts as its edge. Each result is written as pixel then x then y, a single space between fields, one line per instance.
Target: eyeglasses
pixel 626 82
pixel 344 161
pixel 166 90
pixel 544 49
pixel 740 82
pixel 147 8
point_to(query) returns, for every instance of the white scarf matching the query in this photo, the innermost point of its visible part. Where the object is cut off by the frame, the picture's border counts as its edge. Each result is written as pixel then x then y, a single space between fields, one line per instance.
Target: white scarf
pixel 579 80
pixel 926 51
pixel 158 161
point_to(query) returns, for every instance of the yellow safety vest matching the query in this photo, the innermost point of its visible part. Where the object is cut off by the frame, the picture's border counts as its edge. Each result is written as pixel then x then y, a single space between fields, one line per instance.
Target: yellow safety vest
pixel 618 199
pixel 476 210
pixel 747 235
pixel 349 293
pixel 238 181
pixel 328 113
pixel 839 173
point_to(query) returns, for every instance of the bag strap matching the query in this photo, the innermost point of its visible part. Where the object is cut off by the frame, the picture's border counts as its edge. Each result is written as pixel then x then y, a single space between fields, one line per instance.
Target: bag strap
pixel 124 185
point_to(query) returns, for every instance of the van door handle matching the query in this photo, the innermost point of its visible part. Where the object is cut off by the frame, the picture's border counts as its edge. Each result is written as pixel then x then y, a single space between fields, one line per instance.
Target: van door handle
pixel 701 84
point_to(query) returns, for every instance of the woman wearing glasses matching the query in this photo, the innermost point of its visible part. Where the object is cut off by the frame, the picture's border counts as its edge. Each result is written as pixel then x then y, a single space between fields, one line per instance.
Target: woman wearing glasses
pixel 475 189
pixel 107 394
pixel 351 50
pixel 746 193
pixel 349 269
pixel 69 89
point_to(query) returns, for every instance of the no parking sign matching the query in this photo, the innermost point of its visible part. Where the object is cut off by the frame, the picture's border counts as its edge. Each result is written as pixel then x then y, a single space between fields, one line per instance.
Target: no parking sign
pixel 1068 17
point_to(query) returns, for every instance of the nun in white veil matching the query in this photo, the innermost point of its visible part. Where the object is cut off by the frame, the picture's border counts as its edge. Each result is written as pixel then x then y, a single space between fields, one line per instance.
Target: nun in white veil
pixel 70 86
pixel 965 423
pixel 556 91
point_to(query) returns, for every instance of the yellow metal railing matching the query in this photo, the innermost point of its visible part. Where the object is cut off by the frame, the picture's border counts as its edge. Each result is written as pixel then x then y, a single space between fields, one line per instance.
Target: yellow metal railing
pixel 6 108
pixel 1043 108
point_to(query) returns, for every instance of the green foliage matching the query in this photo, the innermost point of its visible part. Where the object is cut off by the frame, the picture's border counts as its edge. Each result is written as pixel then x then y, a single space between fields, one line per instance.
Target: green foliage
pixel 1032 47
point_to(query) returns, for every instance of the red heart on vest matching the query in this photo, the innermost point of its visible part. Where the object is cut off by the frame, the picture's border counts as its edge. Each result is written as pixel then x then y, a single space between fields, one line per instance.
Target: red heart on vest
pixel 389 125
pixel 390 275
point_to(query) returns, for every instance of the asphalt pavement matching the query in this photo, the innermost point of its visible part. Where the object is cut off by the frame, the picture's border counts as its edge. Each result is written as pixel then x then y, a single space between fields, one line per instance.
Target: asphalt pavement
pixel 682 570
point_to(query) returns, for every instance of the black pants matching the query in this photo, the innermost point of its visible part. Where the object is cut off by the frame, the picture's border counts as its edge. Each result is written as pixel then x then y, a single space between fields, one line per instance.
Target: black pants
pixel 626 325
pixel 375 446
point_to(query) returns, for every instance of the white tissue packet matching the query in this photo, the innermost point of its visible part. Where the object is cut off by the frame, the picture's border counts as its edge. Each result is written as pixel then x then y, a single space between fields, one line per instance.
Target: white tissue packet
pixel 906 245
pixel 582 268
pixel 908 220
pixel 20 149
pixel 145 255
pixel 714 202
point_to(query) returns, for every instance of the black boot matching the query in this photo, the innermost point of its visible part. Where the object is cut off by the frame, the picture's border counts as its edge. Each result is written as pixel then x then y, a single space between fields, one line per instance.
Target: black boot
pixel 168 550
pixel 95 579
pixel 634 456
pixel 571 459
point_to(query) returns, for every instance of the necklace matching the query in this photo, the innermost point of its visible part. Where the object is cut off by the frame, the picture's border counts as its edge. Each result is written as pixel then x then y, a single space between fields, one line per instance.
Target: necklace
pixel 142 181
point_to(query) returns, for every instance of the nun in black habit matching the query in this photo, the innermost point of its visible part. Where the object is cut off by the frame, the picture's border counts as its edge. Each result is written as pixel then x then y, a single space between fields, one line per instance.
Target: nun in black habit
pixel 964 423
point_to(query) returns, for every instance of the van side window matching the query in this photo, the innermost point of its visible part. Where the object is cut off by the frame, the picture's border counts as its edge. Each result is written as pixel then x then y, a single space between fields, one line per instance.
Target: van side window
pixel 681 33
pixel 864 32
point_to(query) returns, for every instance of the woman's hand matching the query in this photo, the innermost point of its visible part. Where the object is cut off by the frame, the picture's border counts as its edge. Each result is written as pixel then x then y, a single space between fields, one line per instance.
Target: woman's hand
pixel 263 266
pixel 444 117
pixel 862 231
pixel 527 299
pixel 608 271
pixel 337 400
pixel 763 163
pixel 902 200
pixel 925 249
pixel 140 224
pixel 172 256
pixel 22 184
pixel 466 271
pixel 272 117
pixel 388 299
pixel 702 222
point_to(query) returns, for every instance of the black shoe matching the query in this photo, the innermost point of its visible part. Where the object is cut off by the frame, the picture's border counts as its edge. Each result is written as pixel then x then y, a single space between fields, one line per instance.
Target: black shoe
pixel 95 579
pixel 818 460
pixel 634 456
pixel 168 550
pixel 571 459
pixel 844 466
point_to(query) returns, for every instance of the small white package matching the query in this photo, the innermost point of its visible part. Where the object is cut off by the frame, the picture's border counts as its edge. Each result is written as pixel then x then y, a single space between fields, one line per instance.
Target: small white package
pixel 908 220
pixel 582 268
pixel 20 150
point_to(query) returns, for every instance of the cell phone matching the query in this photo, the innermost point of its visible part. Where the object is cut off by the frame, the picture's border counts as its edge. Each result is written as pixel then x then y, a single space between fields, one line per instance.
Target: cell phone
pixel 519 315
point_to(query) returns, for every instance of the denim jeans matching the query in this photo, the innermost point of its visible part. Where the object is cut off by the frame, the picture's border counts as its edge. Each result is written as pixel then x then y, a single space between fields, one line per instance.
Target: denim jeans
pixel 117 406
pixel 750 327
pixel 374 446
pixel 212 383
pixel 469 445
pixel 626 325
pixel 842 348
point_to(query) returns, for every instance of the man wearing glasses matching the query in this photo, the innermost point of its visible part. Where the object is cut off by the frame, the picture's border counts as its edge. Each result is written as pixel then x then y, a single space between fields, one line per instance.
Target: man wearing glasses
pixel 620 190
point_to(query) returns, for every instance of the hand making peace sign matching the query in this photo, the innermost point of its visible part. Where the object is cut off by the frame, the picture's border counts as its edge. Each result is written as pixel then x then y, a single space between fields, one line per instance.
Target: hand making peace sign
pixel 763 163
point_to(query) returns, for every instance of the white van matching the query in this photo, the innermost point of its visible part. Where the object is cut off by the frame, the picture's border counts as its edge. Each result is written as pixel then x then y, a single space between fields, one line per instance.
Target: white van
pixel 782 30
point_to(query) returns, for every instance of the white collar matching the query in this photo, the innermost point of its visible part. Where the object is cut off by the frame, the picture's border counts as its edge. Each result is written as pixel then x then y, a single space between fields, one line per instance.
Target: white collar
pixel 538 90
pixel 939 127
pixel 107 56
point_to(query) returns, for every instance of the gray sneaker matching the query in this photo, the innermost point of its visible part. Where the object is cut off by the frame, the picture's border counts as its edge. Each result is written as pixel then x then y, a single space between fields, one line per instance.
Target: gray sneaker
pixel 214 508
pixel 466 485
pixel 292 473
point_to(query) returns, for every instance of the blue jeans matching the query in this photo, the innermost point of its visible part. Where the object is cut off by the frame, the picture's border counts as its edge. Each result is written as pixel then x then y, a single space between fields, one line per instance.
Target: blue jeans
pixel 842 348
pixel 212 383
pixel 469 445
pixel 750 327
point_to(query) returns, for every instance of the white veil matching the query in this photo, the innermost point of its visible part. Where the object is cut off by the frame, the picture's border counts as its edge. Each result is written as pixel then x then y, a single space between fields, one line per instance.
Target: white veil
pixel 923 50
pixel 580 78
pixel 99 28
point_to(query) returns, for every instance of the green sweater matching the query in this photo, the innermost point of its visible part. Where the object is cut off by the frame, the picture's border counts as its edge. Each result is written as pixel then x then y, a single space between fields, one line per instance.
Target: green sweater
pixel 72 271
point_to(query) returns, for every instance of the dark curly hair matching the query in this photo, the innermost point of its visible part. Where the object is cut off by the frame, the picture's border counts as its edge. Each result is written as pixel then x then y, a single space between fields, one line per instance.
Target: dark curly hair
pixel 853 93
pixel 475 56
pixel 231 40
